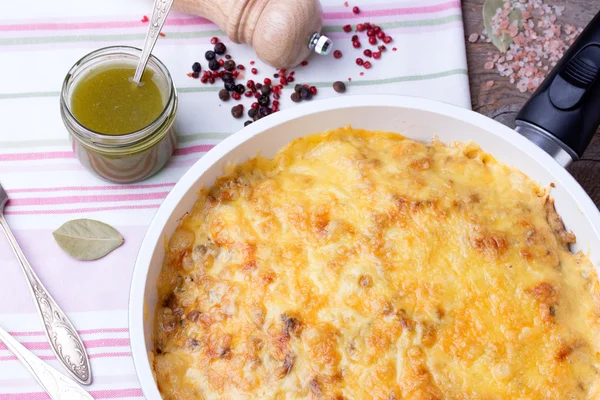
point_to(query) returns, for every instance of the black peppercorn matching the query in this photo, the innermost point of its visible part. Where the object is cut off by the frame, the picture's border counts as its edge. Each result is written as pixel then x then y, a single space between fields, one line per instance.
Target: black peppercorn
pixel 252 112
pixel 247 123
pixel 339 86
pixel 214 65
pixel 227 77
pixel 296 98
pixel 240 88
pixel 258 86
pixel 297 88
pixel 220 48
pixel 266 90
pixel 224 95
pixel 264 100
pixel 196 67
pixel 229 65
pixel 264 111
pixel 305 93
pixel 230 86
pixel 209 55
pixel 237 111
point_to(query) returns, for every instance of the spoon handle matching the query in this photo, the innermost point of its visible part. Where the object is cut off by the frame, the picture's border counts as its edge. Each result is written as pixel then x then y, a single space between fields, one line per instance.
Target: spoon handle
pixel 64 339
pixel 157 21
pixel 58 386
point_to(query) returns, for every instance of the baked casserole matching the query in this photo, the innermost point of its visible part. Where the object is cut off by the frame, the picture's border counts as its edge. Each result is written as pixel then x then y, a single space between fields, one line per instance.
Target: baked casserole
pixel 364 265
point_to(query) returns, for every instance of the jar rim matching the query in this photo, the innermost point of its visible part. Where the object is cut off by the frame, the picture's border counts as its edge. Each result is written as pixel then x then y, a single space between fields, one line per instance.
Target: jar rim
pixel 128 138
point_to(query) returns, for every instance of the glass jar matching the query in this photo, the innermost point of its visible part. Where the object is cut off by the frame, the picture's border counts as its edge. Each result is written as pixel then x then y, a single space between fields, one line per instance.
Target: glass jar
pixel 122 158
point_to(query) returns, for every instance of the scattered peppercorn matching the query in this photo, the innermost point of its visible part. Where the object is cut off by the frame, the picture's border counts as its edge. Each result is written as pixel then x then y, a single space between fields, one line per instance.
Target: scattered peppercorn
pixel 250 84
pixel 359 61
pixel 249 93
pixel 247 123
pixel 254 71
pixel 264 101
pixel 296 98
pixel 213 65
pixel 356 10
pixel 387 39
pixel 356 44
pixel 196 67
pixel 240 88
pixel 241 67
pixel 220 48
pixel 380 35
pixel 195 75
pixel 224 95
pixel 252 112
pixel 237 111
pixel 267 81
pixel 339 86
pixel 214 40
pixel 264 111
pixel 304 63
pixel 367 65
pixel 227 77
pixel 360 27
pixel 266 90
pixel 373 40
pixel 337 54
pixel 229 86
pixel 377 55
pixel 368 53
pixel 221 62
pixel 236 96
pixel 229 65
pixel 305 94
pixel 297 88
pixel 313 90
pixel 347 28
pixel 209 55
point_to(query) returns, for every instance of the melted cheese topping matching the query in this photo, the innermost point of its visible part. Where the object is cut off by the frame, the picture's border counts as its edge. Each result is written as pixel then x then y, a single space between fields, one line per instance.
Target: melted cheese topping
pixel 361 265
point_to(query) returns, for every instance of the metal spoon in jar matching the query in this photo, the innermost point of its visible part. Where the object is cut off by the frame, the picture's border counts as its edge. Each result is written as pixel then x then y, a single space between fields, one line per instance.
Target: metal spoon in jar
pixel 157 21
pixel 64 339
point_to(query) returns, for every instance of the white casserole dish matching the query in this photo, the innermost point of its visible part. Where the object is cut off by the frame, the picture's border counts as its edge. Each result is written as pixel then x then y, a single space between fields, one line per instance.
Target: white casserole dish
pixel 415 118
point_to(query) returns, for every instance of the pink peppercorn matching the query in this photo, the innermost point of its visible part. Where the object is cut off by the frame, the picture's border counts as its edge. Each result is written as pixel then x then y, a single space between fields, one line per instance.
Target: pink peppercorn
pixel 377 28
pixel 367 65
pixel 356 10
pixel 377 55
pixel 360 27
pixel 249 93
pixel 214 40
pixel 304 63
pixel 359 61
pixel 267 81
pixel 254 71
pixel 347 28
pixel 337 54
pixel 370 32
pixel 368 53
pixel 373 40
pixel 381 34
pixel 387 39
pixel 313 90
pixel 356 44
pixel 241 67
pixel 254 105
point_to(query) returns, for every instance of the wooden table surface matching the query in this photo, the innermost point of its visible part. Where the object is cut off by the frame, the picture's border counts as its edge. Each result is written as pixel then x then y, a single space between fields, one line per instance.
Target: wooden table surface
pixel 503 100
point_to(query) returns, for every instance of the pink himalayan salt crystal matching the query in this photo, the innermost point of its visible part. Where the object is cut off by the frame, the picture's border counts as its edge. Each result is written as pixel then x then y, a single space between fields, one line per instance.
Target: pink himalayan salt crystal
pixel 489 84
pixel 473 37
pixel 536 47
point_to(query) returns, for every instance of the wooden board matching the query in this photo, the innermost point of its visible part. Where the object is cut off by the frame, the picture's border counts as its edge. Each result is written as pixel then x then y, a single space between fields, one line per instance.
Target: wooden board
pixel 503 100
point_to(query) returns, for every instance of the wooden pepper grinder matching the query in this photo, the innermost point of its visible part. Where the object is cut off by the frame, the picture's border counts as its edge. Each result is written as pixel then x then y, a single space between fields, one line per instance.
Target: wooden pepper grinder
pixel 283 33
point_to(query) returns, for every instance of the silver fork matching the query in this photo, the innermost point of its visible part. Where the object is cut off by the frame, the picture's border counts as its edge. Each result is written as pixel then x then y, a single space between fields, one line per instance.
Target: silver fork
pixel 64 339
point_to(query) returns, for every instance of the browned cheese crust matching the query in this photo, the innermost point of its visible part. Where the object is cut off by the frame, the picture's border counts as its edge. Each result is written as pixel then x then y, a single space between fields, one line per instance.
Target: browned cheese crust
pixel 359 265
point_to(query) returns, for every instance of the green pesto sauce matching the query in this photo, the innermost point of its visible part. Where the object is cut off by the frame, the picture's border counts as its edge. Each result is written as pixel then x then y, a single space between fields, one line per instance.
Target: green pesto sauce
pixel 106 101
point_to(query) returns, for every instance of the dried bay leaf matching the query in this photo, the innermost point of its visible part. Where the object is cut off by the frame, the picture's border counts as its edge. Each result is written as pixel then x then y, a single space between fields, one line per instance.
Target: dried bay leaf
pixel 87 239
pixel 503 41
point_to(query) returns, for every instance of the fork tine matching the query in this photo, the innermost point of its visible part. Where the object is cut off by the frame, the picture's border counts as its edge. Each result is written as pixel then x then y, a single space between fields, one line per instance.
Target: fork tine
pixel 3 198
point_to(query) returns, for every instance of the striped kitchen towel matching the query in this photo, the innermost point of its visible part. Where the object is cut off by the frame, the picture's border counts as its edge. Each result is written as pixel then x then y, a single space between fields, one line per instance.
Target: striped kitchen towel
pixel 40 41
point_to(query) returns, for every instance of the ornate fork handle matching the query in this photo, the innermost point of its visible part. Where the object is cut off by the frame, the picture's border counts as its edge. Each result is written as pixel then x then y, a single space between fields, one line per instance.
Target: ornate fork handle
pixel 58 386
pixel 157 21
pixel 64 339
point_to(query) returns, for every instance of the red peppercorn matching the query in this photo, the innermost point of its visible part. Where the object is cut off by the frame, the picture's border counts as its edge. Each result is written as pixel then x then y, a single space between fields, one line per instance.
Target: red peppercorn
pixel 280 86
pixel 377 55
pixel 250 84
pixel 267 81
pixel 368 53
pixel 387 39
pixel 290 79
pixel 373 40
pixel 292 73
pixel 359 61
pixel 382 48
pixel 313 90
pixel 249 93
pixel 355 37
pixel 377 28
pixel 282 71
pixel 283 81
pixel 257 95
pixel 356 10
pixel 145 18
pixel 306 86
pixel 360 27
pixel 275 103
pixel 304 63
pixel 236 96
pixel 276 96
pixel 254 105
pixel 370 32
pixel 241 67
pixel 347 28
pixel 254 71
pixel 214 40
pixel 368 25
pixel 274 109
pixel 235 73
pixel 381 34
pixel 221 62
pixel 251 62
pixel 204 79
pixel 356 44
pixel 367 65
pixel 394 49
pixel 211 80
pixel 337 54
